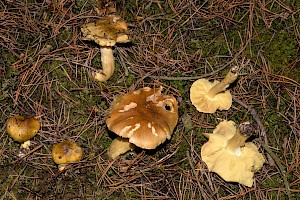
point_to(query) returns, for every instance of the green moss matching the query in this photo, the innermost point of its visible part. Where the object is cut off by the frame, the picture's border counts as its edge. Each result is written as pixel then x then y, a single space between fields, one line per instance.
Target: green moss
pixel 281 50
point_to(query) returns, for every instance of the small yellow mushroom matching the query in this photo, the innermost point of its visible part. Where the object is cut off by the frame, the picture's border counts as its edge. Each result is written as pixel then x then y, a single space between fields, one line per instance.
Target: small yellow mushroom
pixel 66 152
pixel 106 32
pixel 227 154
pixel 207 97
pixel 22 129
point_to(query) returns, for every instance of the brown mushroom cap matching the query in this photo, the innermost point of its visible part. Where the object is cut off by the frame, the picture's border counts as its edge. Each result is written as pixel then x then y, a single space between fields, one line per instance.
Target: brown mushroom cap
pixel 22 128
pixel 236 164
pixel 144 116
pixel 203 103
pixel 107 31
pixel 66 152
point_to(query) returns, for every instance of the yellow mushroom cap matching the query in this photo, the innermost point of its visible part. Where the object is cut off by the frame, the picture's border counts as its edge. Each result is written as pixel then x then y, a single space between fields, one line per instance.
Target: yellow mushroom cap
pixel 22 128
pixel 107 31
pixel 144 116
pixel 233 166
pixel 199 98
pixel 66 152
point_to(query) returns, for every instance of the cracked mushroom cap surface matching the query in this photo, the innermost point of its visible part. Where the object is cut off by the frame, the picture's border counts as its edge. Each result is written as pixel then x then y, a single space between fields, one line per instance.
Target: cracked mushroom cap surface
pixel 145 116
pixel 107 31
pixel 66 152
pixel 22 128
pixel 199 98
pixel 233 166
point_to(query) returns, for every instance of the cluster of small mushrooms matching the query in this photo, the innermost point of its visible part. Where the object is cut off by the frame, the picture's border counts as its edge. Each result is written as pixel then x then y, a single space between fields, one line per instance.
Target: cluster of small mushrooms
pixel 146 118
pixel 24 128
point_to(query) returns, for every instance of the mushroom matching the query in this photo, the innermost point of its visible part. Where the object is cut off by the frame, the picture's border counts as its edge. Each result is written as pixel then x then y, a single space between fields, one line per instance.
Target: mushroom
pixel 119 146
pixel 66 152
pixel 146 117
pixel 106 32
pixel 22 129
pixel 229 155
pixel 207 97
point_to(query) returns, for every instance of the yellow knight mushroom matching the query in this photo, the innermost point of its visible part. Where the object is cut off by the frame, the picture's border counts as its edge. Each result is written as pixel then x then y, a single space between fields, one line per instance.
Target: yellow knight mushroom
pixel 229 155
pixel 66 152
pixel 144 118
pixel 208 96
pixel 22 129
pixel 106 32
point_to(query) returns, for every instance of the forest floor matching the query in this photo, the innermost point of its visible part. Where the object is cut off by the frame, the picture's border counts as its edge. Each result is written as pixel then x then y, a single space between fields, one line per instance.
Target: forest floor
pixel 45 69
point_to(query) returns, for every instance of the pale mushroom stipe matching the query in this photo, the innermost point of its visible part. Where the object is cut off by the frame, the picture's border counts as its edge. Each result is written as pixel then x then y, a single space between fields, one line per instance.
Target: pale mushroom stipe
pixel 106 32
pixel 229 155
pixel 66 152
pixel 208 96
pixel 146 118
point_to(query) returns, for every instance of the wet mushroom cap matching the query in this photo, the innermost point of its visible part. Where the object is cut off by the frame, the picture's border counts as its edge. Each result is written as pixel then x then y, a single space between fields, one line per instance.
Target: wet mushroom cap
pixel 106 31
pixel 22 128
pixel 66 152
pixel 144 116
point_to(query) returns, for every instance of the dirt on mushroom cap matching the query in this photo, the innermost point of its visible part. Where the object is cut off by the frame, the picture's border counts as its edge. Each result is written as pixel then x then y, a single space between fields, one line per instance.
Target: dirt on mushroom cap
pixel 106 31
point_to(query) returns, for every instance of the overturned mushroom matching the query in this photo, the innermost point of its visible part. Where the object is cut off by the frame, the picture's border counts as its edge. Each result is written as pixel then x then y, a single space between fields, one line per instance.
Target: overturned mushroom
pixel 146 117
pixel 106 32
pixel 207 97
pixel 66 152
pixel 22 129
pixel 229 155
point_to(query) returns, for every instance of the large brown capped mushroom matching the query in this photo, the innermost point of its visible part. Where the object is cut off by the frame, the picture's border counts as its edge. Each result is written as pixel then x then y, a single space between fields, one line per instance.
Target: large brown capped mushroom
pixel 106 32
pixel 146 117
pixel 207 97
pixel 228 154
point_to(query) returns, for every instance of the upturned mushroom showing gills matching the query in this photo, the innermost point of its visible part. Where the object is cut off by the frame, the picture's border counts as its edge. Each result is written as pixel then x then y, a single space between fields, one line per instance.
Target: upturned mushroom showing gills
pixel 22 129
pixel 66 152
pixel 229 155
pixel 145 118
pixel 208 96
pixel 106 32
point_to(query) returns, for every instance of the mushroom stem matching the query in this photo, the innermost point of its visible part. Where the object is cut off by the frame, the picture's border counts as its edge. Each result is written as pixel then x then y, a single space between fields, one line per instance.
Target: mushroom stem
pixel 119 146
pixel 239 139
pixel 61 167
pixel 221 87
pixel 26 145
pixel 108 64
